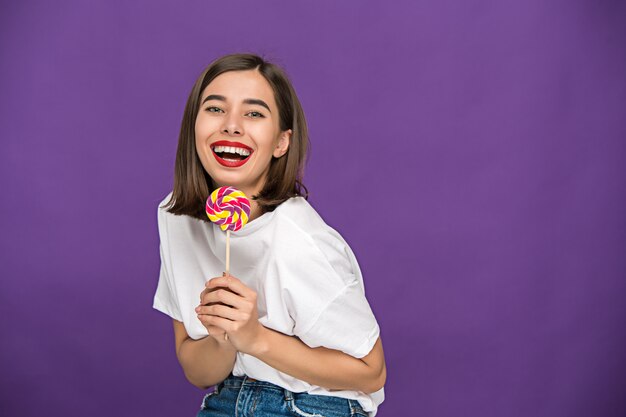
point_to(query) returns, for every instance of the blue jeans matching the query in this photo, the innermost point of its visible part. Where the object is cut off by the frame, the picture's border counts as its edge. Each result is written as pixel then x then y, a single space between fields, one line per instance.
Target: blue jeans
pixel 240 397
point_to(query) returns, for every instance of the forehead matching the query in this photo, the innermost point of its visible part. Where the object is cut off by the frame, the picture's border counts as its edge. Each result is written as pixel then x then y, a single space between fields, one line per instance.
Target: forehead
pixel 239 85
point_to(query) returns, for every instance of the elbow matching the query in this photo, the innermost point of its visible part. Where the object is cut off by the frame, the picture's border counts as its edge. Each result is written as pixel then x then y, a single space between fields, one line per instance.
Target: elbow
pixel 197 383
pixel 192 377
pixel 193 381
pixel 202 387
pixel 377 382
pixel 199 380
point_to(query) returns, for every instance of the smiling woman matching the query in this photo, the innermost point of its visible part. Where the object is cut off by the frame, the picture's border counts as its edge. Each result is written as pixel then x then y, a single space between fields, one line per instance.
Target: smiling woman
pixel 236 132
pixel 290 331
pixel 207 107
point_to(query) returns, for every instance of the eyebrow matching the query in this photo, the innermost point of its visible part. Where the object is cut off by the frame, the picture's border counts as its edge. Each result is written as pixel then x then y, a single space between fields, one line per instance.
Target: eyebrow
pixel 246 101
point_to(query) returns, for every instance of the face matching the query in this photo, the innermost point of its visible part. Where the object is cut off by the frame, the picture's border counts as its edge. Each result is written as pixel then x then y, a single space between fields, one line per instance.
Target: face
pixel 237 130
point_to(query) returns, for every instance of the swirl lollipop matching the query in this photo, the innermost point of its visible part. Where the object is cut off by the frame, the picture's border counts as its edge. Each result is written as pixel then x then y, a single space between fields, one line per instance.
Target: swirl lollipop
pixel 229 208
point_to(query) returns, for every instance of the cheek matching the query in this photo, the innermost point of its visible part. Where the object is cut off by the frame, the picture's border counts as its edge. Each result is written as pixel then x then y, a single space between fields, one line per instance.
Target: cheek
pixel 205 125
pixel 265 138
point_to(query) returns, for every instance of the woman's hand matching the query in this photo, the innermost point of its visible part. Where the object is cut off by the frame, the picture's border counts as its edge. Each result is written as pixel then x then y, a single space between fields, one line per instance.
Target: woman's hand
pixel 230 305
pixel 214 331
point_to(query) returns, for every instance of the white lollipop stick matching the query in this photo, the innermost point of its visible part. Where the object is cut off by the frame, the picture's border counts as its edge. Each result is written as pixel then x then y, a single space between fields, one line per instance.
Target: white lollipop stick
pixel 227 252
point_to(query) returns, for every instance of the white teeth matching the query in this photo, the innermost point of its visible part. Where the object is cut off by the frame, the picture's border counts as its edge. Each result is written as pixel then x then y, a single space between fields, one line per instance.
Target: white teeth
pixel 231 149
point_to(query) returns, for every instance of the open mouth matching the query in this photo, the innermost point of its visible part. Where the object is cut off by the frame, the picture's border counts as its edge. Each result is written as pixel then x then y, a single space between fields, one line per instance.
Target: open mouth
pixel 231 154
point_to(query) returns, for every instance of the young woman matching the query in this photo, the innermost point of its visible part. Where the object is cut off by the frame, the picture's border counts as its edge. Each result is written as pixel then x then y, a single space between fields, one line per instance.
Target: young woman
pixel 289 330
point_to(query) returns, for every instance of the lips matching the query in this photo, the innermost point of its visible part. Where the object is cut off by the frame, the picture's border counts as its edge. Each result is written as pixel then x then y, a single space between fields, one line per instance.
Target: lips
pixel 231 154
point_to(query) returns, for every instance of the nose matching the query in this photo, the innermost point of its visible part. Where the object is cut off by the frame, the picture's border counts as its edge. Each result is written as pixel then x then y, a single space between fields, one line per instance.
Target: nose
pixel 231 125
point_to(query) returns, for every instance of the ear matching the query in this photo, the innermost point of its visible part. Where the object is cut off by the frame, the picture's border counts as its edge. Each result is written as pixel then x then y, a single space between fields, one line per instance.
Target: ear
pixel 283 144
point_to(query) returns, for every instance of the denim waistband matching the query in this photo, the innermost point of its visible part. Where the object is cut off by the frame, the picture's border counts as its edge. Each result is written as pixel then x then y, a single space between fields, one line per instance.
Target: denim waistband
pixel 233 381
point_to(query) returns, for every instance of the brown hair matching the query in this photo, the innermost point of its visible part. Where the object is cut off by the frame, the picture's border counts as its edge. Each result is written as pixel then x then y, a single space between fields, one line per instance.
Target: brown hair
pixel 192 184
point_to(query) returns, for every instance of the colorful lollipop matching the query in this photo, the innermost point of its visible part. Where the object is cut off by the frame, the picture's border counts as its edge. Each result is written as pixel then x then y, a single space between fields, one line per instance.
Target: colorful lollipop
pixel 228 208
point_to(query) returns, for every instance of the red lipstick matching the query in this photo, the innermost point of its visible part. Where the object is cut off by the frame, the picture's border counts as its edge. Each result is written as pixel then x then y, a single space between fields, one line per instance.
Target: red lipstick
pixel 229 143
pixel 231 163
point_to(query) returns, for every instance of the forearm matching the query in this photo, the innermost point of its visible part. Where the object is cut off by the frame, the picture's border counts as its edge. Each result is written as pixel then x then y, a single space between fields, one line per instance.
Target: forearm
pixel 206 362
pixel 328 368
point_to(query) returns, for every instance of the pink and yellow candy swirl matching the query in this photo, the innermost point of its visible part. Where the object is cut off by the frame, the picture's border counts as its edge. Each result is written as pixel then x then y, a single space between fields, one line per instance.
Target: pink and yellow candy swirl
pixel 228 208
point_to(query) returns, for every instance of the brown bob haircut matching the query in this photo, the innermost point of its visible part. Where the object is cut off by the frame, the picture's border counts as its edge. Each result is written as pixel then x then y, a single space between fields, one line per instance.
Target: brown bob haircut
pixel 193 185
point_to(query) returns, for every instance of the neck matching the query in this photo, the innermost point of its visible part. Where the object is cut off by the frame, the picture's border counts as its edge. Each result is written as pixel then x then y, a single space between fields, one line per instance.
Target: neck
pixel 255 210
pixel 249 191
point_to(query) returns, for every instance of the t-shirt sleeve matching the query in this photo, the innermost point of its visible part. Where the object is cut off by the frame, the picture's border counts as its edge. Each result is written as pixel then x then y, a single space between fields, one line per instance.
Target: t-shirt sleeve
pixel 165 299
pixel 347 323
pixel 327 301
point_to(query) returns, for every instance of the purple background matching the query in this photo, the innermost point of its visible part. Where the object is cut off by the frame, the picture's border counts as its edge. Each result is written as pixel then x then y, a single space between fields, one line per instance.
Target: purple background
pixel 472 153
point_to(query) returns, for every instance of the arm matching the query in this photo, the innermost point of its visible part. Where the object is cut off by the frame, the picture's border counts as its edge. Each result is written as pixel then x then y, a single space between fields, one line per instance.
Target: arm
pixel 206 362
pixel 321 366
pixel 234 310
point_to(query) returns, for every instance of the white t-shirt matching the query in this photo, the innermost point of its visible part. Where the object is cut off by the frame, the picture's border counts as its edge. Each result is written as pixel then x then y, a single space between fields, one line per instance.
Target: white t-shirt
pixel 306 277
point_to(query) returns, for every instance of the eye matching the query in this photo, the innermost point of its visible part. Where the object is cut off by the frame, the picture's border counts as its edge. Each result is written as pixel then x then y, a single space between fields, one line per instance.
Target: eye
pixel 255 114
pixel 210 109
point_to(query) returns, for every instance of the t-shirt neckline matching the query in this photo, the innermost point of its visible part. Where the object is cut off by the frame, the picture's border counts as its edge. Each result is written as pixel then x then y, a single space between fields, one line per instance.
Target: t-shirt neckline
pixel 258 223
pixel 254 225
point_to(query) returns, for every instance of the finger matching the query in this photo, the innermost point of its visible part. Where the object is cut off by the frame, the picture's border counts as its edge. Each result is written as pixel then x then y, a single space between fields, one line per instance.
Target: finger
pixel 221 311
pixel 213 330
pixel 222 295
pixel 214 279
pixel 210 290
pixel 208 320
pixel 207 287
pixel 212 296
pixel 221 281
pixel 232 283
